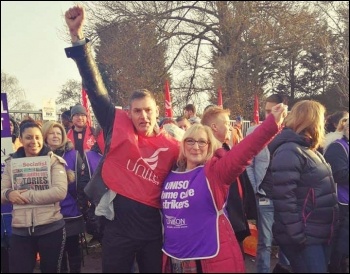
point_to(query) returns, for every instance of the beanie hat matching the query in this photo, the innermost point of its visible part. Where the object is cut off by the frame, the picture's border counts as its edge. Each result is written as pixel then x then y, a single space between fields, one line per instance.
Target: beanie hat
pixel 78 108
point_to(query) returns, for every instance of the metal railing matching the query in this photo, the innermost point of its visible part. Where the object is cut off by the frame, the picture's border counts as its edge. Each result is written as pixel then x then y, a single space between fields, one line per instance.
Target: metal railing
pixel 20 115
pixel 245 126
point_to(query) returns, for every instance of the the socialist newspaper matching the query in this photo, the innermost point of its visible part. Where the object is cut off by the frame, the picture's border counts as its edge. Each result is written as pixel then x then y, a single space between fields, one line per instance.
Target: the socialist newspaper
pixel 32 173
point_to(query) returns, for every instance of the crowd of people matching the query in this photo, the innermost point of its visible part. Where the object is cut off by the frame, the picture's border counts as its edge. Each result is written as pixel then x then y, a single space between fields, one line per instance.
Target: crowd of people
pixel 176 196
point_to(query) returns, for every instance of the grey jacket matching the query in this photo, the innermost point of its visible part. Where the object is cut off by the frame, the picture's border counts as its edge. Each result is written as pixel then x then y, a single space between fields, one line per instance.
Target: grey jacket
pixel 31 217
pixel 256 171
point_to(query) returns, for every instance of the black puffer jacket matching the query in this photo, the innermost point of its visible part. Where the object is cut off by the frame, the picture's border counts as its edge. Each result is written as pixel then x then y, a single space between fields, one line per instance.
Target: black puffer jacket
pixel 304 193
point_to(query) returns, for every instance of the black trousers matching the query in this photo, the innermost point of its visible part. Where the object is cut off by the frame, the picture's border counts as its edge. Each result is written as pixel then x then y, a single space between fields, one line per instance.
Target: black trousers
pixel 119 253
pixel 5 260
pixel 72 255
pixel 340 245
pixel 24 249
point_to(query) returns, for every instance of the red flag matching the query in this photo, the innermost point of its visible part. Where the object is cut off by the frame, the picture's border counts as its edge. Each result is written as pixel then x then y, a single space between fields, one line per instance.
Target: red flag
pixel 219 97
pixel 168 109
pixel 256 109
pixel 86 104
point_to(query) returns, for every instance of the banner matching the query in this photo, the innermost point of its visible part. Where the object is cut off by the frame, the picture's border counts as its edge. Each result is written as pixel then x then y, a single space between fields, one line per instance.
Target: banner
pixel 256 109
pixel 168 108
pixel 86 105
pixel 220 97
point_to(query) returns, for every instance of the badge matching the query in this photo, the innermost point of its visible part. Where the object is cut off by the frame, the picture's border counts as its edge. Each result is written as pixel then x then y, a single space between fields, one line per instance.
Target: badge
pixel 264 201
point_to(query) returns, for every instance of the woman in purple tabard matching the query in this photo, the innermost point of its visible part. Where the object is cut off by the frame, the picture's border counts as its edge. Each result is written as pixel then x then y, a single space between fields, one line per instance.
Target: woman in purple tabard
pixel 55 138
pixel 198 237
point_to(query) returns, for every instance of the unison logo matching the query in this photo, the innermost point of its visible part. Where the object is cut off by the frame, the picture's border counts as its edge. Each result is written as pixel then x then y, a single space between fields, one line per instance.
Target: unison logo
pixel 171 220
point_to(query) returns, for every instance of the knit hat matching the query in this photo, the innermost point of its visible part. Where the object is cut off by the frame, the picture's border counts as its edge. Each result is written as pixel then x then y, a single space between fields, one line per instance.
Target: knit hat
pixel 78 109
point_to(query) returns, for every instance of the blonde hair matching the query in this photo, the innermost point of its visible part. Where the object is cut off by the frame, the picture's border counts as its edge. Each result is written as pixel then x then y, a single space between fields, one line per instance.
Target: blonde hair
pixel 307 117
pixel 48 126
pixel 211 113
pixel 346 129
pixel 191 132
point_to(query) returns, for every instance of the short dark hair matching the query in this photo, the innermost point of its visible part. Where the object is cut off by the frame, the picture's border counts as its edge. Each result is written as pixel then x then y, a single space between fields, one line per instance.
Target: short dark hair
pixel 140 94
pixel 333 120
pixel 190 107
pixel 277 98
pixel 181 118
pixel 166 120
pixel 66 115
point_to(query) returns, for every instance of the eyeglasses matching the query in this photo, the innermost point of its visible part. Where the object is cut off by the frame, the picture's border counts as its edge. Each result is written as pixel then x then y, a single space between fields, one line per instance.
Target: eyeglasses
pixel 191 142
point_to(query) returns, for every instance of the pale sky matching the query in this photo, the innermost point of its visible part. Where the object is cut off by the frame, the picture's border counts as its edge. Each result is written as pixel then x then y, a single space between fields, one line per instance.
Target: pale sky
pixel 32 49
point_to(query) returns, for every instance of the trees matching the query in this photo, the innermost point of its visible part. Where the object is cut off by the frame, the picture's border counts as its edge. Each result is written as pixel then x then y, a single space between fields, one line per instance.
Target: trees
pixel 245 47
pixel 337 16
pixel 129 58
pixel 15 94
pixel 69 95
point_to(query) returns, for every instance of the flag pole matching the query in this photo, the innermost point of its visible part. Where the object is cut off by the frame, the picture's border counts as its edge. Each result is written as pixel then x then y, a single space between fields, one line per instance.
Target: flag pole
pixel 85 103
pixel 256 109
pixel 220 97
pixel 168 107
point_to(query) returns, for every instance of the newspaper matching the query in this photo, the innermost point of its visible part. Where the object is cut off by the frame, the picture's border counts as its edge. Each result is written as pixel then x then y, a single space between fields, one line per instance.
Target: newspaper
pixel 32 173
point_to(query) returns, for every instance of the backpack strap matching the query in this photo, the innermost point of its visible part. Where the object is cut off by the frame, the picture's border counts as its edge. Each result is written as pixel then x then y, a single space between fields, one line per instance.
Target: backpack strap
pixel 344 145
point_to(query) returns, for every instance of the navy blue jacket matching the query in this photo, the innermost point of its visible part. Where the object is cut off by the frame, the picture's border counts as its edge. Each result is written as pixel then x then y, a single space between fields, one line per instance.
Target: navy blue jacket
pixel 304 194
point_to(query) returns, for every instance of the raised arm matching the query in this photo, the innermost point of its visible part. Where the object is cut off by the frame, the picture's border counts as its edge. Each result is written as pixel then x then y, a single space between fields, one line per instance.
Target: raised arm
pixel 75 20
pixel 229 167
pixel 81 53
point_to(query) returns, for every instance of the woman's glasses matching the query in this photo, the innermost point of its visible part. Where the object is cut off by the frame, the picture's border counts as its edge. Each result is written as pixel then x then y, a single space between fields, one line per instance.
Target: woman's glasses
pixel 191 142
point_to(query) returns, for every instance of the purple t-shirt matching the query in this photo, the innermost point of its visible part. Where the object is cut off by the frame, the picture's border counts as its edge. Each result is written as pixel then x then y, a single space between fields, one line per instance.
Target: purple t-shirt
pixel 190 216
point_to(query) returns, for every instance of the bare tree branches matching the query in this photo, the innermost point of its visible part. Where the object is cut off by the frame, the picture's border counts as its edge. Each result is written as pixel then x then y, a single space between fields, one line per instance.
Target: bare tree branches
pixel 244 47
pixel 15 94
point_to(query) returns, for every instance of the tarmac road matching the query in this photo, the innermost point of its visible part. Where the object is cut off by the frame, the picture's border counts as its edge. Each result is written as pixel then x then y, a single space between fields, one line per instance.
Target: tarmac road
pixel 92 262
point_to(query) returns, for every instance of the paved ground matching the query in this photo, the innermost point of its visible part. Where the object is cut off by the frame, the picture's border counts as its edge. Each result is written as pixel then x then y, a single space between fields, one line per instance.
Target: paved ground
pixel 93 262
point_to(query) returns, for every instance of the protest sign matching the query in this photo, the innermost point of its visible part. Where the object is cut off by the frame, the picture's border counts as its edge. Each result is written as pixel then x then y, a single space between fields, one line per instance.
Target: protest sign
pixel 32 173
pixel 6 138
pixel 49 110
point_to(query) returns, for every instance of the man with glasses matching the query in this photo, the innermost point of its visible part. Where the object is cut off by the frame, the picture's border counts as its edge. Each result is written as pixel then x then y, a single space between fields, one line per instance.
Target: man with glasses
pixel 82 137
pixel 81 134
